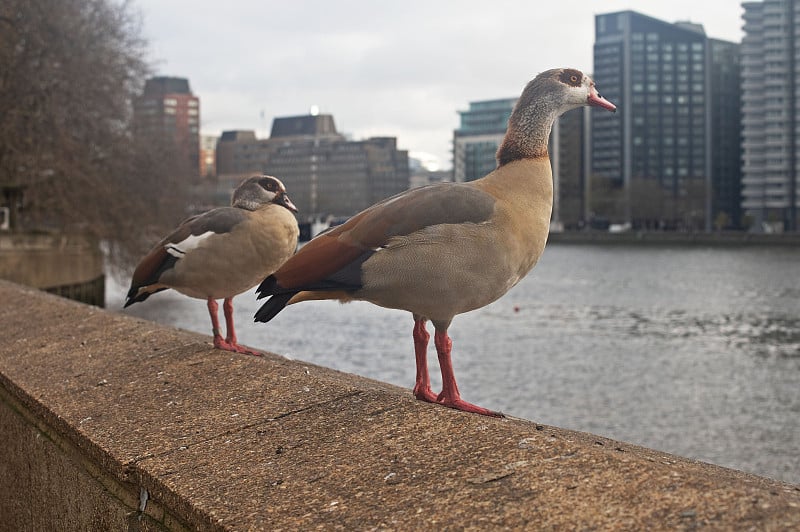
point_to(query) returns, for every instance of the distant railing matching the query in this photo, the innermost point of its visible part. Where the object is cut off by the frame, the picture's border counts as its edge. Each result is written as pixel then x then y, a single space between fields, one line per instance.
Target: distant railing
pixel 90 292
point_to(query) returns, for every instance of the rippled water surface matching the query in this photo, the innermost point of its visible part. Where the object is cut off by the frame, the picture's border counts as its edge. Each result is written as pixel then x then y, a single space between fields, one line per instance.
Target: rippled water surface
pixel 693 351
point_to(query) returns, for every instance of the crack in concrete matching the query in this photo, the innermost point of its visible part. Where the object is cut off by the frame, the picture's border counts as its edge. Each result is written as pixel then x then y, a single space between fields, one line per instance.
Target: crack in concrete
pixel 354 393
pixel 130 466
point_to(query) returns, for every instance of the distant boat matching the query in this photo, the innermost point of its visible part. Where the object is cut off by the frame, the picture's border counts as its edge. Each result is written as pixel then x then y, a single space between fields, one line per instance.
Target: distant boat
pixel 619 228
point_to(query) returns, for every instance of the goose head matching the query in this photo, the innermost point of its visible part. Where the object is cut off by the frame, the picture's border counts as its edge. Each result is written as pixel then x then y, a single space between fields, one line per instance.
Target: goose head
pixel 560 90
pixel 261 190
pixel 545 98
pixel 579 89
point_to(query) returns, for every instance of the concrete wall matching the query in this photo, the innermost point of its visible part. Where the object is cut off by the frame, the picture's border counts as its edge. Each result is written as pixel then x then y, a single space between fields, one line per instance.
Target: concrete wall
pixel 70 265
pixel 49 484
pixel 114 423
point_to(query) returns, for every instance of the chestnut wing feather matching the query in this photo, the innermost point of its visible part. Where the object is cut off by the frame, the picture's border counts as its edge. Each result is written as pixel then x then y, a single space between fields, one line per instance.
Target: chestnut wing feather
pixel 333 259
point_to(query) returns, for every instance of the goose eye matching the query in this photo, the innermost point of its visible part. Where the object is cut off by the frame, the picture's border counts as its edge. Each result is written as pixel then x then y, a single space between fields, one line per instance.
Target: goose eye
pixel 571 77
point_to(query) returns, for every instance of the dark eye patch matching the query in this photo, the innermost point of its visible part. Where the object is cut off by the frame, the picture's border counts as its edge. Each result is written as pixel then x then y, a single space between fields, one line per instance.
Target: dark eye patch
pixel 571 77
pixel 268 184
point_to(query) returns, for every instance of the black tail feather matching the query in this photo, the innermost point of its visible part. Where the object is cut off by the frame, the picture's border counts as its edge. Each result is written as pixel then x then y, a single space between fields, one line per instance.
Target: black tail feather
pixel 273 306
pixel 267 287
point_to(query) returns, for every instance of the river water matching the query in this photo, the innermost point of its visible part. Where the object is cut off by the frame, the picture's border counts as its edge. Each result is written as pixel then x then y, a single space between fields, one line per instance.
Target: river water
pixel 690 350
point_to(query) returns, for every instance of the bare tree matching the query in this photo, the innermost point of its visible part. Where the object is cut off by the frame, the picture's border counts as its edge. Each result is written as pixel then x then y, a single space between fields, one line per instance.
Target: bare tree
pixel 607 199
pixel 649 203
pixel 69 70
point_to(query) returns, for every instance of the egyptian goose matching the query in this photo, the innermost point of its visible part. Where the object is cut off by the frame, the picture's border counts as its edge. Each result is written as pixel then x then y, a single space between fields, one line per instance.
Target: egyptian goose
pixel 223 252
pixel 448 248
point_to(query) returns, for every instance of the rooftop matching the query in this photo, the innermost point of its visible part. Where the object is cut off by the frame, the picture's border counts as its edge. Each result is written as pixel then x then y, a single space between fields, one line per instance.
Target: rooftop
pixel 161 85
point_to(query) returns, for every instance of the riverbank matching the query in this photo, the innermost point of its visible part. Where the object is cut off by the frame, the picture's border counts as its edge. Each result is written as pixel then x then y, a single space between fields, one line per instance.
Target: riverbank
pixel 66 264
pixel 675 238
pixel 116 423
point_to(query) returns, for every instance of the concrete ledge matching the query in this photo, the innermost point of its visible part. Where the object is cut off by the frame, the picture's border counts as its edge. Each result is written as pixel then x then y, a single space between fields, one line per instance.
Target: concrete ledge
pixel 116 423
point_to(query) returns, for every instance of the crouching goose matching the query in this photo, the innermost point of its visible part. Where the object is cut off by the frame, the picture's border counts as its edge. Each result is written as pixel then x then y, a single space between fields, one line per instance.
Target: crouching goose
pixel 223 252
pixel 449 248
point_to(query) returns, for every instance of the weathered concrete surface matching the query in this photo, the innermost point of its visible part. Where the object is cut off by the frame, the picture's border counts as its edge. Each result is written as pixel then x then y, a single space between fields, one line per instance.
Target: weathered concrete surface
pixel 103 408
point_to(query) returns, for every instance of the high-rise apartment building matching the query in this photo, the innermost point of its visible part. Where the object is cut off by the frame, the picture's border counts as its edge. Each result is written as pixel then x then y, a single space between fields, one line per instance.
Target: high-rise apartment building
pixel 726 134
pixel 653 162
pixel 324 173
pixel 568 148
pixel 771 113
pixel 169 112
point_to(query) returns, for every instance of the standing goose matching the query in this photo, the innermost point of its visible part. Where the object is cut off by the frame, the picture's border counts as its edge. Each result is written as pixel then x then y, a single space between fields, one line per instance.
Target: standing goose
pixel 449 248
pixel 223 252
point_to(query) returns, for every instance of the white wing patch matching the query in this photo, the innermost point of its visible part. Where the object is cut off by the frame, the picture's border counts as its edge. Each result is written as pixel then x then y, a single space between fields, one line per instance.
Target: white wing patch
pixel 180 249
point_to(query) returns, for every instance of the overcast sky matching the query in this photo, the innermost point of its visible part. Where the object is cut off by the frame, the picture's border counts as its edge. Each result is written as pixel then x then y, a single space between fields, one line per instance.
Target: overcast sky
pixel 381 68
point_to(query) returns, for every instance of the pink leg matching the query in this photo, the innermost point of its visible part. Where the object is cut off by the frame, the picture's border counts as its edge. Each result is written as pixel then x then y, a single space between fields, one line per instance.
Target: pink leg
pixel 422 386
pixel 227 306
pixel 229 343
pixel 213 310
pixel 450 396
